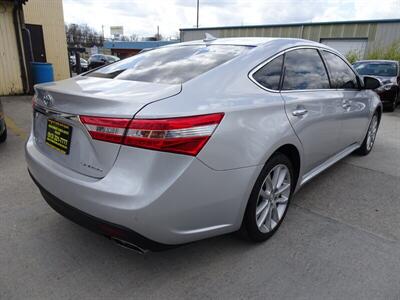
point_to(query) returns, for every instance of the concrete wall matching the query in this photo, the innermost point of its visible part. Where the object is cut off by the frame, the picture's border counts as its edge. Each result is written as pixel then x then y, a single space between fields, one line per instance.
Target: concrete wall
pixel 49 14
pixel 10 71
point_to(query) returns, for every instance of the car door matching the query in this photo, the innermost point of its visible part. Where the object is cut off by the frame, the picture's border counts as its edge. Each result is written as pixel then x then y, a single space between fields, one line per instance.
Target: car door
pixel 312 107
pixel 355 101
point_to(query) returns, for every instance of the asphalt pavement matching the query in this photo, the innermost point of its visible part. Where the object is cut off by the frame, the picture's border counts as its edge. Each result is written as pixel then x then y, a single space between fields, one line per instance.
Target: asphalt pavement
pixel 340 239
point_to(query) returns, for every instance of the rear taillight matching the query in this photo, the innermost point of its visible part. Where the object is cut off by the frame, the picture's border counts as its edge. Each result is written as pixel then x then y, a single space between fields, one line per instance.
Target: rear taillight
pixel 186 135
pixel 106 129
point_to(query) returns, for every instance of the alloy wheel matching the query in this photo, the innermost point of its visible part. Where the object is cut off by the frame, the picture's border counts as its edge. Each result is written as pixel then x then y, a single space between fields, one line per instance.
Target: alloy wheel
pixel 372 130
pixel 273 198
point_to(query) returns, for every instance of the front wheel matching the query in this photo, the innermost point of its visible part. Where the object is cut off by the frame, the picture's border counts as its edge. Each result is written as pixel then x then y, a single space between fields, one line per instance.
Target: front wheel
pixel 393 105
pixel 369 139
pixel 269 199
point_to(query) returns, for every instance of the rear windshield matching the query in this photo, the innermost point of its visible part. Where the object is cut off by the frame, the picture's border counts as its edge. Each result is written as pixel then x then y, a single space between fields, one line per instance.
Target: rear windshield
pixel 170 65
pixel 377 69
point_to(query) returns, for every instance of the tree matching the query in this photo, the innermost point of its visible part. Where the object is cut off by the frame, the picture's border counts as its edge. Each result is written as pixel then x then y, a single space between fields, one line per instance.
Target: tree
pixel 83 35
pixel 134 37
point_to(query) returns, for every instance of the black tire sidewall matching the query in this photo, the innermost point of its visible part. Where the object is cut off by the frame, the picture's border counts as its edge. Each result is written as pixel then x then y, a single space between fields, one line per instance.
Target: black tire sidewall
pixel 3 136
pixel 363 150
pixel 392 106
pixel 249 220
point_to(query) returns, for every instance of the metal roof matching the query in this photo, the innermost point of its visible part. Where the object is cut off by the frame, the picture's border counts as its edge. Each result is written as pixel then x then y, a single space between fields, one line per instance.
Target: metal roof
pixel 296 24
pixel 136 45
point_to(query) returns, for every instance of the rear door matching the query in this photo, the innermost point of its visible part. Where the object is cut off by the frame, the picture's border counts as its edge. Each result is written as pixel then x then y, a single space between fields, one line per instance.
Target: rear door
pixel 312 107
pixel 355 102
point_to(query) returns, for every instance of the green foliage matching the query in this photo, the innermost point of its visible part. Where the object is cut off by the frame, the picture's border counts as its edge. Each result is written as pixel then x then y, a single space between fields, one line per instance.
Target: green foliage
pixel 352 56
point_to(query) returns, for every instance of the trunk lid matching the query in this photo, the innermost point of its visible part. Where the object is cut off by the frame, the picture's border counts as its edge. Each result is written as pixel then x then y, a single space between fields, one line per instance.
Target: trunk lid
pixel 62 102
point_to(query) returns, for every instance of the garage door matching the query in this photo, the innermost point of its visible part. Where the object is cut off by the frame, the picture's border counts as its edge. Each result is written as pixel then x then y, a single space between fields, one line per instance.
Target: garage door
pixel 345 46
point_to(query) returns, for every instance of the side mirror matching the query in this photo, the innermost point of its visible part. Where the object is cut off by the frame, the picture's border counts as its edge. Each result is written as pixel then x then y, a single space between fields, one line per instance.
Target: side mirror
pixel 371 83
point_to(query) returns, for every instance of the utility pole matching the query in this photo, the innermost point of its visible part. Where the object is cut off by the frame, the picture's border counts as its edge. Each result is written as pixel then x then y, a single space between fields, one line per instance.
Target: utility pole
pixel 198 4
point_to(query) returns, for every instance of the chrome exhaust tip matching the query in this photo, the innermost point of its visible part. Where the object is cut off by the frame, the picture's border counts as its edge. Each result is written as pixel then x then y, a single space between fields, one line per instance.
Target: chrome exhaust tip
pixel 129 245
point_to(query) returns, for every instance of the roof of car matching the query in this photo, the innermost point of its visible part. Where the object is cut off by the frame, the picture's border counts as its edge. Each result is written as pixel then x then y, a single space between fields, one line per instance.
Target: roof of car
pixel 243 41
pixel 377 61
pixel 247 41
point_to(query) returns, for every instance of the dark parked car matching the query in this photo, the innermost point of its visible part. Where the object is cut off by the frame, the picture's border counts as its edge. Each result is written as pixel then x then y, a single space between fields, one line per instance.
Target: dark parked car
pixel 84 63
pixel 97 60
pixel 388 72
pixel 3 128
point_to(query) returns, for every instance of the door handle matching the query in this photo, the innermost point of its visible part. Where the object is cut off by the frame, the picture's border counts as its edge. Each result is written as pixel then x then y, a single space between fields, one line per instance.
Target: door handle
pixel 299 112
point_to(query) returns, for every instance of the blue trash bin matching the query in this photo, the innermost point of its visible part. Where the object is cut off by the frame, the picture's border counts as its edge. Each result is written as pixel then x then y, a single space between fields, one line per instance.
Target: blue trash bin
pixel 42 72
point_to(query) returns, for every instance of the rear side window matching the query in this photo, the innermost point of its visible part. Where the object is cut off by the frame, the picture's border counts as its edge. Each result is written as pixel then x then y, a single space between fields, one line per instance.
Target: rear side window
pixel 170 65
pixel 269 75
pixel 304 70
pixel 341 75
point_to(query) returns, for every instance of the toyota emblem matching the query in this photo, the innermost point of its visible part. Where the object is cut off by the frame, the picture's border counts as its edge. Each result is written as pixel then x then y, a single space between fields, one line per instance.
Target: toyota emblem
pixel 48 100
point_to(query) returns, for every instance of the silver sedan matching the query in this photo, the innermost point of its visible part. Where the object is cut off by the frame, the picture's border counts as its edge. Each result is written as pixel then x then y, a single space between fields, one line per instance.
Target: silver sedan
pixel 197 139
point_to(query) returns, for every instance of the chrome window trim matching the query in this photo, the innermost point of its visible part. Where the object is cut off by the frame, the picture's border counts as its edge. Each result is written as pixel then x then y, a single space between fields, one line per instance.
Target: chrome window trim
pixel 262 64
pixel 258 67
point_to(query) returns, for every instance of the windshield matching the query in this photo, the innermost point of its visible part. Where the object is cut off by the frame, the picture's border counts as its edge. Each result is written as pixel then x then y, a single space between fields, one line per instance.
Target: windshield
pixel 170 65
pixel 376 69
pixel 111 58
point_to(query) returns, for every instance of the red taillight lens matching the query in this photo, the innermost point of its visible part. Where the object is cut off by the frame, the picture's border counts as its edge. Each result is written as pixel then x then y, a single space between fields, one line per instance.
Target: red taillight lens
pixel 186 135
pixel 106 129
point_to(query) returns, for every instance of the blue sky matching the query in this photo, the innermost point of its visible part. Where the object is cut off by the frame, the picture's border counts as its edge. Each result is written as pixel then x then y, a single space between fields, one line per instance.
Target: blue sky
pixel 141 17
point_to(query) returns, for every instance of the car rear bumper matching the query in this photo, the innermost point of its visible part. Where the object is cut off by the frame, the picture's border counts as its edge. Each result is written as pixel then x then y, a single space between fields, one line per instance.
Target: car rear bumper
pixel 164 199
pixel 110 230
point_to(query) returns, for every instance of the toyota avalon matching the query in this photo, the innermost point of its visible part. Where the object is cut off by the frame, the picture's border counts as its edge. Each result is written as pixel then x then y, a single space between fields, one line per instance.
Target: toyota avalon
pixel 197 139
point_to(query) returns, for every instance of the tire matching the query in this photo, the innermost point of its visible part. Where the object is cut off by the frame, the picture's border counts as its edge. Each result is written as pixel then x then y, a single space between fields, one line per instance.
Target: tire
pixel 393 105
pixel 366 146
pixel 276 205
pixel 3 136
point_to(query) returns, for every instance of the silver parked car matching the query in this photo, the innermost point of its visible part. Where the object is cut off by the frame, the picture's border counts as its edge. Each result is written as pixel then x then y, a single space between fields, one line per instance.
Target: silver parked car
pixel 197 139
